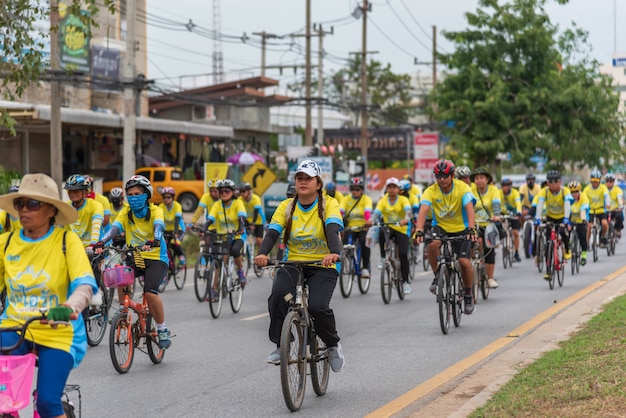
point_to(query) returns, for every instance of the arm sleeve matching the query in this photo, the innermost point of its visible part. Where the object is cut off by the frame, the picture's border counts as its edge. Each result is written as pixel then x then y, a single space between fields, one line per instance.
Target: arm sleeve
pixel 496 208
pixel 271 236
pixel 334 243
pixel 158 232
pixel 96 224
pixel 567 208
pixel 112 232
pixel 80 297
pixel 539 209
pixel 196 215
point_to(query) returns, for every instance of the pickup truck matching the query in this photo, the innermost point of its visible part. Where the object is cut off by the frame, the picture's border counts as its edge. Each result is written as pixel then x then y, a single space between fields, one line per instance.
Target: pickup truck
pixel 188 192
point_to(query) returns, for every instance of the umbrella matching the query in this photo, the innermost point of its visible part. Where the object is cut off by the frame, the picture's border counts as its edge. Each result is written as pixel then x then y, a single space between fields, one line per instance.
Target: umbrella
pixel 244 158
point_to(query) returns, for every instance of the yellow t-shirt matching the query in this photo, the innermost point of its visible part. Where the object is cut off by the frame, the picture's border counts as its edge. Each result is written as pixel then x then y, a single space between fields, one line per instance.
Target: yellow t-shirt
pixel 597 198
pixel 37 275
pixel 254 203
pixel 338 196
pixel 511 203
pixel 307 240
pixel 169 215
pixel 617 198
pixel 554 204
pixel 106 205
pixel 356 217
pixel 138 232
pixel 394 212
pixel 577 206
pixel 448 210
pixel 227 218
pixel 89 222
pixel 115 212
pixel 205 204
pixel 484 203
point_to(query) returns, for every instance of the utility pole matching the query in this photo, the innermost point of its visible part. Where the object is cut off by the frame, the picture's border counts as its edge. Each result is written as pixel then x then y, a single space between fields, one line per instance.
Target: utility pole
pixel 308 136
pixel 130 121
pixel 320 82
pixel 434 57
pixel 56 142
pixel 364 139
pixel 264 35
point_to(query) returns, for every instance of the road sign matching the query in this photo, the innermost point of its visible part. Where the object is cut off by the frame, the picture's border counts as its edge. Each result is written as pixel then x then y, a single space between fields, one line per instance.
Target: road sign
pixel 260 177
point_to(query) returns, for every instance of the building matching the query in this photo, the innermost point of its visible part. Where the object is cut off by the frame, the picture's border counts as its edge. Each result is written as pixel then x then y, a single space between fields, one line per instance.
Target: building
pixel 617 70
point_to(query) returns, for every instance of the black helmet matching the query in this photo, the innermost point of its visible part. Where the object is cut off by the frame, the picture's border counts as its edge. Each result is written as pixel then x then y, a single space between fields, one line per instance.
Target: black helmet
pixel 553 175
pixel 530 176
pixel 245 186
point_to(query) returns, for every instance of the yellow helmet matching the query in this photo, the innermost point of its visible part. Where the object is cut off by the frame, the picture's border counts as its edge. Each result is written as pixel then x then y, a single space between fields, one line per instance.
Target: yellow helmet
pixel 574 186
pixel 213 183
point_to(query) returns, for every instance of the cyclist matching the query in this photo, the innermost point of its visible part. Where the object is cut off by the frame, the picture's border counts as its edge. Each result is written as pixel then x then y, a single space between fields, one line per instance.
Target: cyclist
pixel 406 191
pixel 511 204
pixel 9 222
pixel 617 203
pixel 356 211
pixel 106 206
pixel 116 197
pixel 599 203
pixel 143 224
pixel 558 200
pixel 463 173
pixel 451 204
pixel 415 189
pixel 579 213
pixel 527 192
pixel 90 211
pixel 173 218
pixel 255 219
pixel 43 267
pixel 487 209
pixel 311 224
pixel 331 190
pixel 393 208
pixel 206 202
pixel 229 217
pixel 291 190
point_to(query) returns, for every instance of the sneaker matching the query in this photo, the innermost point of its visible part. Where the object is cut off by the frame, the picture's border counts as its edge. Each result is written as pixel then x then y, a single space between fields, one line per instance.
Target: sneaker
pixel 618 234
pixel 546 276
pixel 335 358
pixel 583 261
pixel 469 304
pixel 433 286
pixel 212 295
pixel 380 264
pixel 242 278
pixel 274 357
pixel 518 259
pixel 182 260
pixel 164 339
pixel 536 260
pixel 406 288
pixel 365 273
pixel 492 283
pixel 603 242
pixel 567 255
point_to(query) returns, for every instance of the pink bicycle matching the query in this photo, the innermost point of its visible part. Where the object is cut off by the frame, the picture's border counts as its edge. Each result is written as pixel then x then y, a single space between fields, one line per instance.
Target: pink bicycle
pixel 16 378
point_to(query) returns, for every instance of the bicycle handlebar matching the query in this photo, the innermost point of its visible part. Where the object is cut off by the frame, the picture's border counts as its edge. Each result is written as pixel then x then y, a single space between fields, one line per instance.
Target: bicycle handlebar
pixel 272 262
pixel 21 331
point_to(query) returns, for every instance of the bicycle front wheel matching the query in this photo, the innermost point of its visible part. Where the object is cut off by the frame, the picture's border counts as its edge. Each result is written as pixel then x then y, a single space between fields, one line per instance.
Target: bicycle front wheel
pixel 121 342
pixel 476 282
pixel 425 263
pixel 458 291
pixel 180 275
pixel 484 282
pixel 541 252
pixel 319 365
pixel 386 282
pixel 236 296
pixel 560 264
pixel 155 352
pixel 215 304
pixel 550 270
pixel 96 320
pixel 528 240
pixel 443 297
pixel 505 252
pixel 347 274
pixel 201 278
pixel 594 243
pixel 293 361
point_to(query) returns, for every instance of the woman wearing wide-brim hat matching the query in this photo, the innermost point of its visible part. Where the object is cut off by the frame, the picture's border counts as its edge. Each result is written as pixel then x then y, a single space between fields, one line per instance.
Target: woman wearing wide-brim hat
pixel 484 172
pixel 34 259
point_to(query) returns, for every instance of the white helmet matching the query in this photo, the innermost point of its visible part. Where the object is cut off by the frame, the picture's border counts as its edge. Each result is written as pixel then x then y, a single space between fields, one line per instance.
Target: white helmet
pixel 138 180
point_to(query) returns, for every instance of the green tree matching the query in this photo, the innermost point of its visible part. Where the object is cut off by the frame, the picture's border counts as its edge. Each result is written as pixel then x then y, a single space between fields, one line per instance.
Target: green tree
pixel 516 85
pixel 25 27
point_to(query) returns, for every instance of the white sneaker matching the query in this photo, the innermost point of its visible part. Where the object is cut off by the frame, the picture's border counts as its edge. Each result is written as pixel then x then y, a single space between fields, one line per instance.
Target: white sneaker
pixel 365 273
pixel 406 288
pixel 492 283
pixel 336 358
pixel 380 264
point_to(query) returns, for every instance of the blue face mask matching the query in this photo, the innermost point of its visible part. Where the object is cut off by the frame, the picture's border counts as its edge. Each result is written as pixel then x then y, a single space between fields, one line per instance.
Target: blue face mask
pixel 139 204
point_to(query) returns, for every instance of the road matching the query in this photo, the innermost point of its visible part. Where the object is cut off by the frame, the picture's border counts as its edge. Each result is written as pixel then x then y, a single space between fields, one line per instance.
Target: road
pixel 216 367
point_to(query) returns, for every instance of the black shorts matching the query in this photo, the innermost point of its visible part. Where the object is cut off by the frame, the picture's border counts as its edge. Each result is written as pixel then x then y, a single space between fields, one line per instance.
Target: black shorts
pixel 601 217
pixel 515 224
pixel 258 231
pixel 153 275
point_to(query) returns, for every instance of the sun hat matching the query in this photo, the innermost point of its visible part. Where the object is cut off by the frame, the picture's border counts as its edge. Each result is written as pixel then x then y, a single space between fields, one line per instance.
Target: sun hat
pixel 310 168
pixel 40 187
pixel 484 172
pixel 392 180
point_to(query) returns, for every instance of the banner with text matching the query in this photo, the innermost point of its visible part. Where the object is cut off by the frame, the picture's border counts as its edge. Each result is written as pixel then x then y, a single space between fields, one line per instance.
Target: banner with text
pixel 426 152
pixel 391 144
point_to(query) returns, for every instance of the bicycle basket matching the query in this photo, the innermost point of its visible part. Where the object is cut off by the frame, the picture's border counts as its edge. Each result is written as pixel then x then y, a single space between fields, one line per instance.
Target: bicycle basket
pixel 118 276
pixel 16 379
pixel 219 245
pixel 492 236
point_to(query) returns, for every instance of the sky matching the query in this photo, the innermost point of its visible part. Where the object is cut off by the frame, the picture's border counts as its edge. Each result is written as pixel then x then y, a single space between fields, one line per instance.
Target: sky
pixel 400 31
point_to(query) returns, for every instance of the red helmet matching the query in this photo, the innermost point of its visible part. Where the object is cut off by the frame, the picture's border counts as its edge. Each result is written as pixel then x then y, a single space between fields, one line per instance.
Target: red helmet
pixel 444 167
pixel 357 182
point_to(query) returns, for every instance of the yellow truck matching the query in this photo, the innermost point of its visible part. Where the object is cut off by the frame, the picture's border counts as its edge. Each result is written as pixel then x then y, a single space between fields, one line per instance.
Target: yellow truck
pixel 188 192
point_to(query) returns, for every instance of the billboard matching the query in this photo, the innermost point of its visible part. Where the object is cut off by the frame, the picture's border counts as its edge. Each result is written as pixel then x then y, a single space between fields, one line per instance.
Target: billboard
pixel 426 152
pixel 383 143
pixel 105 69
pixel 74 40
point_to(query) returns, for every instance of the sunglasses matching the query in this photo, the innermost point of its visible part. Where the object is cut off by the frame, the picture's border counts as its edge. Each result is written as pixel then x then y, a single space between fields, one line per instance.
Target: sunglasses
pixel 30 204
pixel 224 191
pixel 355 189
pixel 442 176
pixel 553 181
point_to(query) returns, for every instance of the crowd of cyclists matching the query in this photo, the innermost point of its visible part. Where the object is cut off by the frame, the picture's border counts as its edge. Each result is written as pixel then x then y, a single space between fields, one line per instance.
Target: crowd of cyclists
pixel 314 222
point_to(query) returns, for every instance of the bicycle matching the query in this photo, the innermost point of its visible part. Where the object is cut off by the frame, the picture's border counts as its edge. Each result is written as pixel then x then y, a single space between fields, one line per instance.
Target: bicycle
pixel 528 236
pixel 425 263
pixel 414 260
pixel 508 249
pixel 227 280
pixel 175 271
pixel 574 244
pixel 450 288
pixel 96 317
pixel 127 332
pixel 611 236
pixel 390 276
pixel 17 378
pixel 481 281
pixel 351 265
pixel 250 251
pixel 540 251
pixel 300 344
pixel 594 237
pixel 555 255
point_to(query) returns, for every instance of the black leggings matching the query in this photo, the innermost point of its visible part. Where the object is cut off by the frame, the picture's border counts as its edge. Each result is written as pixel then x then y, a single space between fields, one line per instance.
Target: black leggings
pixel 403 250
pixel 321 284
pixel 581 231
